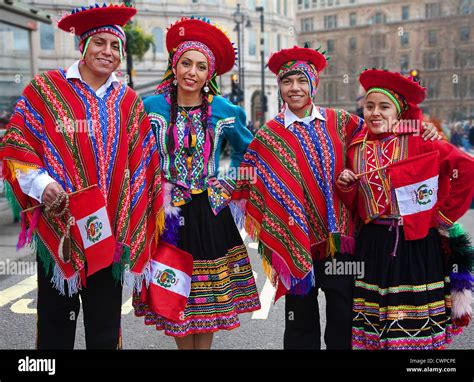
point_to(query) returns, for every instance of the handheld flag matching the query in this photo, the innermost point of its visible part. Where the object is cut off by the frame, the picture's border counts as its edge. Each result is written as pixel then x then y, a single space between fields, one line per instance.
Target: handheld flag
pixel 415 183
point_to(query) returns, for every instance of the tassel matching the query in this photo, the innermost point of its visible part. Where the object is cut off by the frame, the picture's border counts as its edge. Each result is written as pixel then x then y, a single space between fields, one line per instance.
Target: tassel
pixel 237 208
pixel 252 227
pixel 33 224
pixel 461 307
pixel 460 281
pixel 15 207
pixel 347 244
pixel 334 243
pixel 170 234
pixel 461 249
pixel 303 287
pixel 121 260
pixel 159 224
pixel 267 269
pixel 22 236
pixel 44 254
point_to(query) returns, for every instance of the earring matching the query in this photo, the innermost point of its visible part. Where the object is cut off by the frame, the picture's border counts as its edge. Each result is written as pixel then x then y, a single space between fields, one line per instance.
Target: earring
pixel 175 82
pixel 206 88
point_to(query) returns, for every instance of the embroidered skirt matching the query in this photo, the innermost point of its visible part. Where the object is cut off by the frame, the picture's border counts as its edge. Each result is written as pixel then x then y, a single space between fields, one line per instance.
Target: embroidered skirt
pixel 403 301
pixel 222 283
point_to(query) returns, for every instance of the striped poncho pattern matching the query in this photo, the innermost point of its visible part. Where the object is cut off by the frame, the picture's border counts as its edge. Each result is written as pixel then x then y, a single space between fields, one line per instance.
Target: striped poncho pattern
pixel 292 208
pixel 62 127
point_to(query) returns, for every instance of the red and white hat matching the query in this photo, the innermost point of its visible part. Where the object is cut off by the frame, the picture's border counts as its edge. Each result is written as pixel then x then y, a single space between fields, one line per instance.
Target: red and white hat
pixel 404 91
pixel 88 21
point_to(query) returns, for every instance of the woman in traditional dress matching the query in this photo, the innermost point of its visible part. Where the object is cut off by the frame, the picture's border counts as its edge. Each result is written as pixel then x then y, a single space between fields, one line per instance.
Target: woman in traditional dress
pixel 406 191
pixel 191 120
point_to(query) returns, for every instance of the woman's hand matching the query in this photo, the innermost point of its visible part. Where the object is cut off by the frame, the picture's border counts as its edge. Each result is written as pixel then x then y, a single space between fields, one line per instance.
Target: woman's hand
pixel 431 132
pixel 346 178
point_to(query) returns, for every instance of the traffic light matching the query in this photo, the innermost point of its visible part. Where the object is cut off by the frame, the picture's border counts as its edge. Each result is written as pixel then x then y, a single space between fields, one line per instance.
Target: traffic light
pixel 236 95
pixel 415 73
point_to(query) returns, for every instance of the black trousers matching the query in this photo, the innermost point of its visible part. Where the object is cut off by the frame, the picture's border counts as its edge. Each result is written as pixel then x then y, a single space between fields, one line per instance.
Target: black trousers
pixel 57 314
pixel 302 321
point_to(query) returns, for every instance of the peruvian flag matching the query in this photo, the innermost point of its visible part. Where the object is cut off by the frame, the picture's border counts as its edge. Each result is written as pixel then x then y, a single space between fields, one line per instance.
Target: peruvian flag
pixel 170 285
pixel 415 183
pixel 92 228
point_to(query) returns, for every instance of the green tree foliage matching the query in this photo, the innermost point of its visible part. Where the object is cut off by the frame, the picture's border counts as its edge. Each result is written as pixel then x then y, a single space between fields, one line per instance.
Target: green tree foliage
pixel 138 42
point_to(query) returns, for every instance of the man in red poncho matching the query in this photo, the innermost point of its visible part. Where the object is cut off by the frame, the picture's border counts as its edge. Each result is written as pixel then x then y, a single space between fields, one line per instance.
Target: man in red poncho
pixel 79 142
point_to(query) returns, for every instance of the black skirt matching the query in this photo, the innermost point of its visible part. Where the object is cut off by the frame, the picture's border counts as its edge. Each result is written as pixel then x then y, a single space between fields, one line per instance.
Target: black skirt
pixel 403 300
pixel 222 283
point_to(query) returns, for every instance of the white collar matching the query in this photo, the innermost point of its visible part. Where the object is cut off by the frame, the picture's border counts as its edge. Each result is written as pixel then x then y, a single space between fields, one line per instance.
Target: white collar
pixel 73 72
pixel 291 117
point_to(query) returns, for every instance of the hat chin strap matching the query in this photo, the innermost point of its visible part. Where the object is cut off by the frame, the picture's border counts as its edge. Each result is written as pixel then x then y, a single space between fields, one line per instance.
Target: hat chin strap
pixel 86 45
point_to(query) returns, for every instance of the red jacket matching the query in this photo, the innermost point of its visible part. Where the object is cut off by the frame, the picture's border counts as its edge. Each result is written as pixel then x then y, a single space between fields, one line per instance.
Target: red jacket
pixel 364 198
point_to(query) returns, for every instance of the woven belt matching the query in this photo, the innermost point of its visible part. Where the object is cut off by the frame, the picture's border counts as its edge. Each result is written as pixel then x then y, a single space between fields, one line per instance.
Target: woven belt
pixel 392 222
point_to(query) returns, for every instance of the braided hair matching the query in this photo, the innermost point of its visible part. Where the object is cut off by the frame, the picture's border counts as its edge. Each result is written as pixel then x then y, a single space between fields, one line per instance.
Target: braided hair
pixel 205 117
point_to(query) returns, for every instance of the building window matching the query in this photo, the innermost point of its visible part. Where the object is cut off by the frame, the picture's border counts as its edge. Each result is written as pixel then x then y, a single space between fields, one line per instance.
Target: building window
pixel 405 12
pixel 21 41
pixel 159 45
pixel 307 4
pixel 379 18
pixel 330 46
pixel 278 6
pixel 330 22
pixel 251 5
pixel 285 7
pixel 404 63
pixel 377 62
pixel 252 43
pixel 377 42
pixel 352 19
pixel 331 69
pixel 432 38
pixel 352 44
pixel 460 88
pixel 330 92
pixel 463 58
pixel 266 46
pixel 307 24
pixel 432 60
pixel 466 7
pixel 278 44
pixel 46 36
pixel 464 34
pixel 432 88
pixel 432 10
pixel 405 40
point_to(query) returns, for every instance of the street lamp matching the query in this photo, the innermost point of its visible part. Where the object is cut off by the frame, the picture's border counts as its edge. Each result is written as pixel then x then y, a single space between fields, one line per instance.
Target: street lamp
pixel 239 19
pixel 263 97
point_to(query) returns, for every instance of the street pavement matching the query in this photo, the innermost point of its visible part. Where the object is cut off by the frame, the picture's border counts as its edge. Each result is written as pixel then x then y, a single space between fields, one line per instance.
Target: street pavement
pixel 258 330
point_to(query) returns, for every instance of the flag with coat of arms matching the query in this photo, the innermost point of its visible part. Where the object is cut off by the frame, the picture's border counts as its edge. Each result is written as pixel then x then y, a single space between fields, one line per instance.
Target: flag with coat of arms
pixel 415 184
pixel 92 228
pixel 170 284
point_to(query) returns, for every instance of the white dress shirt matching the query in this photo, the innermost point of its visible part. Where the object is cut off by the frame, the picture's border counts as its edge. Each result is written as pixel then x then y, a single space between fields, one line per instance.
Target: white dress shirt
pixel 33 182
pixel 291 117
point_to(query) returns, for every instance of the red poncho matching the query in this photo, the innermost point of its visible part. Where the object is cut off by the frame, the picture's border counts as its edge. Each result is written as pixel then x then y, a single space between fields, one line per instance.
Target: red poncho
pixel 62 127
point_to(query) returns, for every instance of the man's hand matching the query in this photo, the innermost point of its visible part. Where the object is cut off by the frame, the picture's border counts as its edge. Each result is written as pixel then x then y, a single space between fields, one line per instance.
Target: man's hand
pixel 50 193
